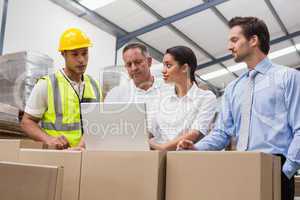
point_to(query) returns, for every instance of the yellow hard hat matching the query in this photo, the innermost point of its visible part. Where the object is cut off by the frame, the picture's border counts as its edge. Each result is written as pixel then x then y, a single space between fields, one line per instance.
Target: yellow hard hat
pixel 73 38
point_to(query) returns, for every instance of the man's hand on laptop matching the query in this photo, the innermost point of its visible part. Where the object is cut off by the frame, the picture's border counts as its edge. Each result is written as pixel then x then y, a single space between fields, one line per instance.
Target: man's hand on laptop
pixel 185 145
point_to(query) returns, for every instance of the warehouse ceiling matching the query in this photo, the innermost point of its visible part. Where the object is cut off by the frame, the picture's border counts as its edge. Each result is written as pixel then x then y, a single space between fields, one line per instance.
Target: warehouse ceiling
pixel 201 25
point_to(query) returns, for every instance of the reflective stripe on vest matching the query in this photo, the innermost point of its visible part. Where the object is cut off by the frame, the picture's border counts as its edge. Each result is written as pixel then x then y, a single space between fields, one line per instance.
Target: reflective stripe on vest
pixel 96 92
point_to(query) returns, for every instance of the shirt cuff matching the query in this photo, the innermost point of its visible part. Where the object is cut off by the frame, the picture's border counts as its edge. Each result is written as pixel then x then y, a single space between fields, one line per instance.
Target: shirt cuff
pixel 201 129
pixel 289 168
pixel 38 113
pixel 200 146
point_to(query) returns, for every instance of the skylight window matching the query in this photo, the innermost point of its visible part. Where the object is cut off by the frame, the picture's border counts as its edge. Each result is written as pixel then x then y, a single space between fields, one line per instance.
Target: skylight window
pixel 241 66
pixel 94 4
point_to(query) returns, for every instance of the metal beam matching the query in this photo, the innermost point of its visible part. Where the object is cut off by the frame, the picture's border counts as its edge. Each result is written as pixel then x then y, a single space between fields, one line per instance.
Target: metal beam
pixel 116 55
pixel 228 57
pixel 105 25
pixel 286 37
pixel 3 25
pixel 179 33
pixel 213 88
pixel 219 14
pixel 202 7
pixel 225 21
pixel 280 22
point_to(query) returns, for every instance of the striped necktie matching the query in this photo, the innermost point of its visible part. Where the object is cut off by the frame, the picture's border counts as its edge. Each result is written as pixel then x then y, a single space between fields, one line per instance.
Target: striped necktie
pixel 246 105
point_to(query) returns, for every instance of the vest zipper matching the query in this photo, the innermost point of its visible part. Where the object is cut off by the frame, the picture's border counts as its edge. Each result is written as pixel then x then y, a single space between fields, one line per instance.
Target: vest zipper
pixel 79 100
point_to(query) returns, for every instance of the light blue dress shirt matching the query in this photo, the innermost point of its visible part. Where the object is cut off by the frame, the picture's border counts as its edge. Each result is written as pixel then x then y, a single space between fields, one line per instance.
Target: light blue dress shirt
pixel 275 115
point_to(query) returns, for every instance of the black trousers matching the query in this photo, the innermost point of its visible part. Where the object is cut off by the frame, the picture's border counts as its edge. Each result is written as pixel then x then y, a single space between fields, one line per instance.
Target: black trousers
pixel 287 185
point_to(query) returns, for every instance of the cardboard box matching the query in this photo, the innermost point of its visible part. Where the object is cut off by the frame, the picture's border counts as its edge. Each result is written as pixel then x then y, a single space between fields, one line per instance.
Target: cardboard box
pixel 222 175
pixel 31 144
pixel 9 150
pixel 70 160
pixel 26 181
pixel 297 186
pixel 122 175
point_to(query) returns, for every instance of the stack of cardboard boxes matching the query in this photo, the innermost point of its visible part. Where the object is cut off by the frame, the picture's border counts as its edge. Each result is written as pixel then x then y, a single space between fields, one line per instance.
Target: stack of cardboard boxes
pixel 27 181
pixel 136 175
pixel 126 175
pixel 222 175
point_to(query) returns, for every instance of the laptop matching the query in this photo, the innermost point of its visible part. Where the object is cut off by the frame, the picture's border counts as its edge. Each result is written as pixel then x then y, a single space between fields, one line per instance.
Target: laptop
pixel 115 126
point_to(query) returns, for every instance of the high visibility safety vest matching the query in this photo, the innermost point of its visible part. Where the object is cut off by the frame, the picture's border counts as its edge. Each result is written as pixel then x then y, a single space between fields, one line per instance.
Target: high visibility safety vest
pixel 63 116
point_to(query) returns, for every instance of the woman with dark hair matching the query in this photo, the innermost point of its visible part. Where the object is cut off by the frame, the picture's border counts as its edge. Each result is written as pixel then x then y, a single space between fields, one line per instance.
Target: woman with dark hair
pixel 188 111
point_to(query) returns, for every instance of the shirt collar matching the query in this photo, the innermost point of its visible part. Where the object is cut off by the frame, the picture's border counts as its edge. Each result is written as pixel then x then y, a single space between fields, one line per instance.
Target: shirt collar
pixel 72 82
pixel 263 66
pixel 155 85
pixel 192 91
pixel 190 94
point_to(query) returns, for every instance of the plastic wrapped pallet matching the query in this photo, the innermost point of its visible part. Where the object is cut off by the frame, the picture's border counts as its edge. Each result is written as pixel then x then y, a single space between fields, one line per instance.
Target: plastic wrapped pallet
pixel 19 73
pixel 9 122
pixel 9 113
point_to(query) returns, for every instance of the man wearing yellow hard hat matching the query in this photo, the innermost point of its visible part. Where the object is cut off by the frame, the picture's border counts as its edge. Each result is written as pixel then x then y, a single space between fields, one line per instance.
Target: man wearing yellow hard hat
pixel 55 100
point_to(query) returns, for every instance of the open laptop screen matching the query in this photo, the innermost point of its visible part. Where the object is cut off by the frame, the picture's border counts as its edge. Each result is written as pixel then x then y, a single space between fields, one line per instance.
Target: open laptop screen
pixel 115 126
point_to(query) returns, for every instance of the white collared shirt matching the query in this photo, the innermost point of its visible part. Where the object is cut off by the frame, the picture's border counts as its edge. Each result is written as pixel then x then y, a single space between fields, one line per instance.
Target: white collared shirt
pixel 77 86
pixel 37 102
pixel 194 111
pixel 129 93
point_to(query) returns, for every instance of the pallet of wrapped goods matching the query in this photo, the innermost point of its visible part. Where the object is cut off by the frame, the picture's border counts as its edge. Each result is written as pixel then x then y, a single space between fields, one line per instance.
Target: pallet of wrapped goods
pixel 18 74
pixel 9 122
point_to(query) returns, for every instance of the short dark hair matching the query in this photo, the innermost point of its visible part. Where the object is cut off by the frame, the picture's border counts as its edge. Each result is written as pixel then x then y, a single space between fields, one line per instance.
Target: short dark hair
pixel 253 26
pixel 140 46
pixel 184 55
